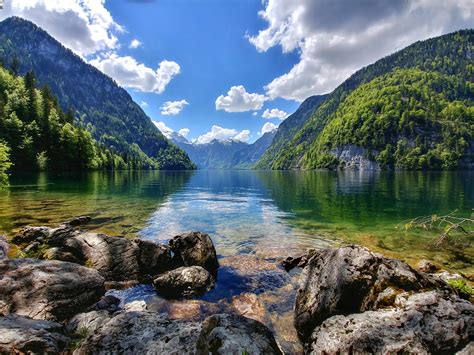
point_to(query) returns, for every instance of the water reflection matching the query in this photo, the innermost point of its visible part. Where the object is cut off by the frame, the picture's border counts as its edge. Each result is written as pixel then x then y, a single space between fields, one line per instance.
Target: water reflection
pixel 252 212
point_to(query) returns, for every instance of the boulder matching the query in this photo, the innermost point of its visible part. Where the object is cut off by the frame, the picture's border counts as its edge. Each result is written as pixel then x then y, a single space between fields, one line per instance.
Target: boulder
pixel 56 253
pixel 108 303
pixel 20 335
pixel 153 258
pixel 4 247
pixel 234 334
pixel 348 280
pixel 423 323
pixel 51 236
pixel 141 333
pixel 83 324
pixel 195 249
pixel 115 258
pixel 184 282
pixel 50 290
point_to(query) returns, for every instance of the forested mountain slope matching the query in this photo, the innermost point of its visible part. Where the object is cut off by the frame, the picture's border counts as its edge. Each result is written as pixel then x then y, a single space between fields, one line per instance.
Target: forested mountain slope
pixel 444 68
pixel 104 108
pixel 35 134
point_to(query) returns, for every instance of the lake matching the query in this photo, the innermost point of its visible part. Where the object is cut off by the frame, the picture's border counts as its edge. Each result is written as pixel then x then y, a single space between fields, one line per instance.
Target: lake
pixel 265 213
pixel 254 218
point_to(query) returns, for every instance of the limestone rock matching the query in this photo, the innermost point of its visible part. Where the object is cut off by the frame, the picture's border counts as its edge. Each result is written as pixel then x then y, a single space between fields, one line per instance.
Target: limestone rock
pixel 195 249
pixel 20 335
pixel 153 258
pixel 184 282
pixel 50 290
pixel 234 334
pixel 141 333
pixel 427 266
pixel 423 323
pixel 349 280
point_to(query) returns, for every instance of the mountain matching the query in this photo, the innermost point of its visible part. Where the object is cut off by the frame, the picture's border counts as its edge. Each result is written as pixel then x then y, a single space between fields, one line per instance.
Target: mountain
pixel 288 129
pixel 223 153
pixel 100 105
pixel 410 110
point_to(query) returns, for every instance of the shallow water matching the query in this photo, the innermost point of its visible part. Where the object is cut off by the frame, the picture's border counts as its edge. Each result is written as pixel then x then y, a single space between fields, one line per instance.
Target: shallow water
pixel 254 218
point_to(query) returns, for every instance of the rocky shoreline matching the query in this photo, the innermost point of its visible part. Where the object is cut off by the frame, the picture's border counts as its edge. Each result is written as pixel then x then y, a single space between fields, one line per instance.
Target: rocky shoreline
pixel 54 299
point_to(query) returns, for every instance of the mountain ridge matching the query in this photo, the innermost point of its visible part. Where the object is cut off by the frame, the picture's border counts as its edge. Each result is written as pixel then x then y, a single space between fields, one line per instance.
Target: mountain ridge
pixel 110 114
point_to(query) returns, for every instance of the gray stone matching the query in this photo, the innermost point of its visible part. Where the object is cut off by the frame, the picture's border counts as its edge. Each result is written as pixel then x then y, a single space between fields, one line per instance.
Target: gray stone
pixel 195 249
pixel 50 290
pixel 184 282
pixel 423 323
pixel 141 333
pixel 20 335
pixel 4 247
pixel 349 280
pixel 87 323
pixel 115 258
pixel 235 334
pixel 153 258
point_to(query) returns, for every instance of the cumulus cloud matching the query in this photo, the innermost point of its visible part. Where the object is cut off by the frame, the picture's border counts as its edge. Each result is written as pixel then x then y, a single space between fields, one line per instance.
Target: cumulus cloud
pixel 274 113
pixel 239 100
pixel 334 38
pixel 135 43
pixel 163 128
pixel 268 127
pixel 217 132
pixel 172 108
pixel 184 132
pixel 85 27
pixel 131 74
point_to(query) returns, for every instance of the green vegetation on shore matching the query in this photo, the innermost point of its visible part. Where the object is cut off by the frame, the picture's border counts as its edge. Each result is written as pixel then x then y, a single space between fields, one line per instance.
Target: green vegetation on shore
pixel 36 135
pixel 394 109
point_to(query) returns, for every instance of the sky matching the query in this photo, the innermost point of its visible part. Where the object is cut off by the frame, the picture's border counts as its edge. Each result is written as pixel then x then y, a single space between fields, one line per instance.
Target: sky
pixel 235 68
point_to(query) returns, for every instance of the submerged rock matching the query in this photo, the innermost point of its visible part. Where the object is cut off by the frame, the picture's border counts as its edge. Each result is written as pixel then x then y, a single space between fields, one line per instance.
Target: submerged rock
pixel 427 266
pixel 184 282
pixel 234 334
pixel 195 249
pixel 298 261
pixel 4 247
pixel 20 335
pixel 78 221
pixel 140 333
pixel 350 280
pixel 428 322
pixel 51 290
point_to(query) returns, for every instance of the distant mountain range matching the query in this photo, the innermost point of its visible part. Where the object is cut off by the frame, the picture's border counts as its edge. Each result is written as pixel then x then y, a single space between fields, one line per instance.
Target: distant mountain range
pixel 101 106
pixel 223 154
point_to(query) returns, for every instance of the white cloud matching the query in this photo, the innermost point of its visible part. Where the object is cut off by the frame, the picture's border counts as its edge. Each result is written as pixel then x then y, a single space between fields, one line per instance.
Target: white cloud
pixel 243 136
pixel 239 100
pixel 184 132
pixel 163 128
pixel 334 38
pixel 172 108
pixel 135 43
pixel 255 113
pixel 217 132
pixel 131 74
pixel 143 104
pixel 268 127
pixel 274 113
pixel 85 27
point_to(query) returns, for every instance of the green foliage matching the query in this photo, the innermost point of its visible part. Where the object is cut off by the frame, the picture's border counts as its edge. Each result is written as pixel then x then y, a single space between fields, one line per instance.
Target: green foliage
pixel 5 163
pixel 412 114
pixel 462 288
pixel 36 135
pixel 102 107
pixel 407 119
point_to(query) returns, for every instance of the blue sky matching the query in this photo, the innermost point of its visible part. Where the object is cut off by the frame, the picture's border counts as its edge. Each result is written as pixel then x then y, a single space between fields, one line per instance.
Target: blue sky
pixel 213 54
pixel 235 68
